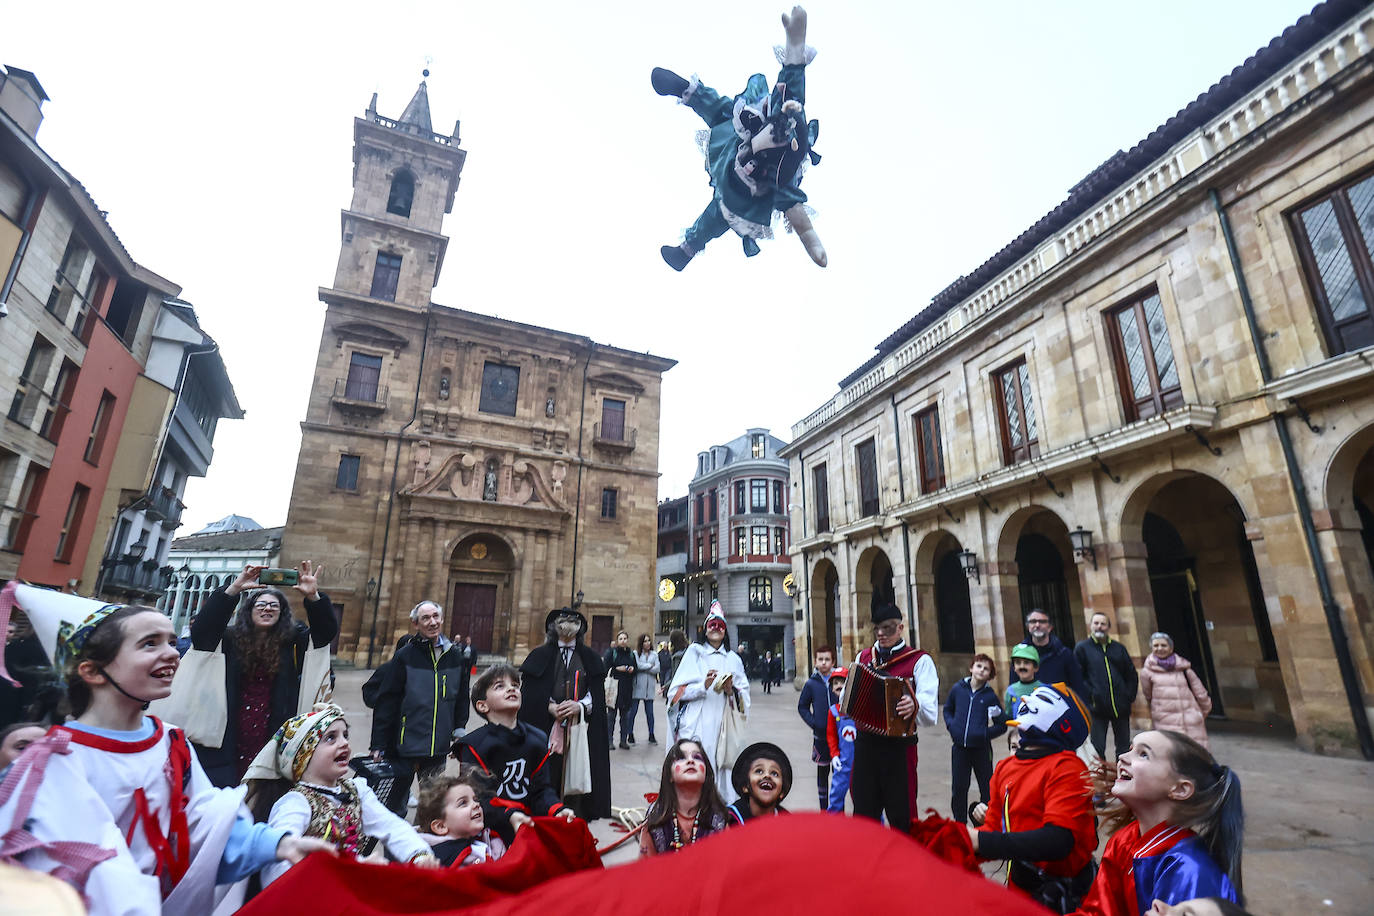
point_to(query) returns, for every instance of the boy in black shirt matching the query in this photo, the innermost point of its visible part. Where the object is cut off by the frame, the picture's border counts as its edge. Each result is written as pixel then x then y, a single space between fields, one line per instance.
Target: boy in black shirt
pixel 513 754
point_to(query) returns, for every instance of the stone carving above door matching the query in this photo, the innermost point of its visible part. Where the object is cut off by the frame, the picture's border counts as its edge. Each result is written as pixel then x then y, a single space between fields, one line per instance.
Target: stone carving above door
pixel 489 477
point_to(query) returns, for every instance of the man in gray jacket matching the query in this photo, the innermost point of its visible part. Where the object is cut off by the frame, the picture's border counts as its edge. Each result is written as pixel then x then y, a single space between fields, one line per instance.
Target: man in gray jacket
pixel 418 705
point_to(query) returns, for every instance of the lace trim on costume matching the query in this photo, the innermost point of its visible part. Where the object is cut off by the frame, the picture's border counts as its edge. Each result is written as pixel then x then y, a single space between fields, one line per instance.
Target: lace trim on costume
pixel 692 85
pixel 791 55
pixel 742 226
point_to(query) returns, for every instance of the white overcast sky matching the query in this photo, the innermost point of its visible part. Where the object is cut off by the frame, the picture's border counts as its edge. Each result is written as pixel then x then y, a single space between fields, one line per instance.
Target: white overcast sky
pixel 219 137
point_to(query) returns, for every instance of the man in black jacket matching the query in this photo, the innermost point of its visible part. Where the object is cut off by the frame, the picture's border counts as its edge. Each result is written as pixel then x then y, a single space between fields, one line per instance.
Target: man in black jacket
pixel 1112 683
pixel 1057 661
pixel 417 706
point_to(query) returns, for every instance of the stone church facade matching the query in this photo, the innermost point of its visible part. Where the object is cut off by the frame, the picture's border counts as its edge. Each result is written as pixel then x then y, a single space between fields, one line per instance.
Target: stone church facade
pixel 498 468
pixel 1157 402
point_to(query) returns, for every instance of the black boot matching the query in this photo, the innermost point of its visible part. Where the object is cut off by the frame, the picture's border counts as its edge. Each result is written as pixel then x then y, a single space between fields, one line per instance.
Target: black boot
pixel 675 256
pixel 666 82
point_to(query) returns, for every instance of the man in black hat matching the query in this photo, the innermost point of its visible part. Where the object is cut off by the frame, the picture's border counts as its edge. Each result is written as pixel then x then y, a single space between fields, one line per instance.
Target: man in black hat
pixel 564 681
pixel 883 780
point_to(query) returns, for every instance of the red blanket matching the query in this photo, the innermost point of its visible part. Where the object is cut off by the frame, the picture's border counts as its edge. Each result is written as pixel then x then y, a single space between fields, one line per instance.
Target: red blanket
pixel 326 885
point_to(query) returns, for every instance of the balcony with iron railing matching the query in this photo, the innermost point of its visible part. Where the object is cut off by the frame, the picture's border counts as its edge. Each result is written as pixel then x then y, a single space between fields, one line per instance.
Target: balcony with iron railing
pixel 615 437
pixel 359 394
pixel 132 574
pixel 162 503
pixel 28 397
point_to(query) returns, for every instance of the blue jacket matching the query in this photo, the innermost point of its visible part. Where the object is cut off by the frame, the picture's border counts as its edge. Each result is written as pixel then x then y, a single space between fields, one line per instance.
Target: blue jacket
pixel 967 713
pixel 1058 663
pixel 813 706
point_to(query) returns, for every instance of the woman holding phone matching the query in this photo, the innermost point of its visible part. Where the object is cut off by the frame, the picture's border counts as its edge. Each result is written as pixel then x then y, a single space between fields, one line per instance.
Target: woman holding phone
pixel 264 652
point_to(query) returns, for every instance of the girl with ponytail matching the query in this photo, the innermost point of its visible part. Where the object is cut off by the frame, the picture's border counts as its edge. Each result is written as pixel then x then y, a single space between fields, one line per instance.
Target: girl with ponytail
pixel 1176 824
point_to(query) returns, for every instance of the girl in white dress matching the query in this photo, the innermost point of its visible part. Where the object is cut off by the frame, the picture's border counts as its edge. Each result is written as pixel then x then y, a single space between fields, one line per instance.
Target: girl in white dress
pixel 115 802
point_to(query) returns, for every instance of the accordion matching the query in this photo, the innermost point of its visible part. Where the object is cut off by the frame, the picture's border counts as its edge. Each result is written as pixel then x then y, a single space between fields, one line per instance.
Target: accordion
pixel 870 699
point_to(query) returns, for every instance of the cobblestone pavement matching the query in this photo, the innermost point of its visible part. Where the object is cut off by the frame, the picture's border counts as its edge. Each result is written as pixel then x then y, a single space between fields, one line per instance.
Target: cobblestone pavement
pixel 1310 819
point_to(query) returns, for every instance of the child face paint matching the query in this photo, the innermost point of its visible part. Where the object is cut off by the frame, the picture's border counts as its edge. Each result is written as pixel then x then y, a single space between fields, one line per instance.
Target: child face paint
pixel 1025 669
pixel 329 763
pixel 691 769
pixel 765 782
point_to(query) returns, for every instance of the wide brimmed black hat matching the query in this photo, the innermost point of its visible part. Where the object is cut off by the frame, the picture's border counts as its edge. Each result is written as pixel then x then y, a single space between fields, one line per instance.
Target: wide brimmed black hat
pixel 739 775
pixel 561 611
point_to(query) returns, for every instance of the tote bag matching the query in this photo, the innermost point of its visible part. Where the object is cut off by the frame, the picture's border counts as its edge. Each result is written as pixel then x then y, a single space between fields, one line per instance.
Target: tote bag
pixel 197 703
pixel 577 760
pixel 731 739
pixel 315 686
pixel 612 691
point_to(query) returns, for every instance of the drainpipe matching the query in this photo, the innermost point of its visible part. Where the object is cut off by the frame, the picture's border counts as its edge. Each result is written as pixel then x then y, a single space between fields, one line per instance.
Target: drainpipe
pixel 34 195
pixel 906 529
pixel 581 463
pixel 1344 661
pixel 391 491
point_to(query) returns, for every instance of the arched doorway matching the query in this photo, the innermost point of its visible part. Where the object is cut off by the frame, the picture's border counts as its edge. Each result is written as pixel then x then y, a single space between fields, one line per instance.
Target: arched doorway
pixel 480 586
pixel 1349 490
pixel 1044 578
pixel 1206 594
pixel 825 605
pixel 953 608
pixel 873 587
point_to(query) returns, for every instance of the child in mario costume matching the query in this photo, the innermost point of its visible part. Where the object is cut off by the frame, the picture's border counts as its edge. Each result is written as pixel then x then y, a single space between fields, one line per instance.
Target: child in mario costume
pixel 1041 816
pixel 840 734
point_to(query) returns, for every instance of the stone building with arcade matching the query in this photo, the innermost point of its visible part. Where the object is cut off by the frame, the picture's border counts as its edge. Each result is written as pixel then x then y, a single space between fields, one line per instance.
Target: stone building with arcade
pixel 1156 402
pixel 498 468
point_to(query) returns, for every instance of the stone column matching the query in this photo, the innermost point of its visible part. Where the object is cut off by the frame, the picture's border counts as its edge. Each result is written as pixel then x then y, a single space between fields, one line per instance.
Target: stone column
pixel 1130 603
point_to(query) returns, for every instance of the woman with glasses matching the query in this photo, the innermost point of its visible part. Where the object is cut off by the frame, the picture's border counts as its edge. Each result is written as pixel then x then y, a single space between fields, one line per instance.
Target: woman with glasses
pixel 264 651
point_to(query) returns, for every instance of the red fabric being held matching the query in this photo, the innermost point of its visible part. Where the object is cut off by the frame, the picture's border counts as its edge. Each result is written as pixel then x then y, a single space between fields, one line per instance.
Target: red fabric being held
pixel 546 849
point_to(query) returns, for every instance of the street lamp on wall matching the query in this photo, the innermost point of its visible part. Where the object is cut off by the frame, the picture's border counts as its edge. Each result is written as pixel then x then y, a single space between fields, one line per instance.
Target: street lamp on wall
pixel 371 586
pixel 969 560
pixel 1082 542
pixel 184 573
pixel 577 599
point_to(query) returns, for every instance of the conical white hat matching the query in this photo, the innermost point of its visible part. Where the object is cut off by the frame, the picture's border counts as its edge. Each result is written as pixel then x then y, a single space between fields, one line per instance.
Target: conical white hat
pixel 57 618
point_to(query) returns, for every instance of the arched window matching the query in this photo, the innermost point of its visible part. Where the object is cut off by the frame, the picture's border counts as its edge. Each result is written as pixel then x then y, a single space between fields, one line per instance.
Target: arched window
pixel 761 594
pixel 402 193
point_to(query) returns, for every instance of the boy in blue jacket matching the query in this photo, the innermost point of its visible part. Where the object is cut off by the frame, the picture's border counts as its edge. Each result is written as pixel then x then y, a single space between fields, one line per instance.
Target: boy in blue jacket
pixel 813 706
pixel 974 716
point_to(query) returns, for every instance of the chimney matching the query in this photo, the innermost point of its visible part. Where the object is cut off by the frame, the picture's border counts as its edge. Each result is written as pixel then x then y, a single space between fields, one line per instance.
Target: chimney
pixel 22 98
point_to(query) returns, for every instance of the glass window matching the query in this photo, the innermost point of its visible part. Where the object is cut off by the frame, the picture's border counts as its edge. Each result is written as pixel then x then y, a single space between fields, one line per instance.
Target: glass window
pixel 715 590
pixel 928 451
pixel 29 392
pixel 777 497
pixel 758 540
pixel 608 498
pixel 740 542
pixel 95 442
pixel 739 497
pixel 779 541
pixel 821 488
pixel 1145 364
pixel 711 540
pixel 757 446
pixel 711 504
pixel 758 496
pixel 347 476
pixel 1016 413
pixel 500 387
pixel 71 523
pixel 867 459
pixel 701 599
pixel 761 594
pixel 1334 241
pixel 386 276
pixel 364 372
pixel 699 550
pixel 701 509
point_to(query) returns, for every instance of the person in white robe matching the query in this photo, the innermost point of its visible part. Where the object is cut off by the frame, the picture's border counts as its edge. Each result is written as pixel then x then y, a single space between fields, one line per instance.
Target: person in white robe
pixel 709 684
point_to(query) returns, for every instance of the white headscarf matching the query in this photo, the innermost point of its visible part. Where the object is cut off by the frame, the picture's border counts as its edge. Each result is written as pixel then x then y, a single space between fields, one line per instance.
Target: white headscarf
pixel 288 753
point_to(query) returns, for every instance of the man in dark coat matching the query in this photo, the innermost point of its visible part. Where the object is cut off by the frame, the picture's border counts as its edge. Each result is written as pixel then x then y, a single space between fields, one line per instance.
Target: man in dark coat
pixel 561 680
pixel 1112 684
pixel 1057 661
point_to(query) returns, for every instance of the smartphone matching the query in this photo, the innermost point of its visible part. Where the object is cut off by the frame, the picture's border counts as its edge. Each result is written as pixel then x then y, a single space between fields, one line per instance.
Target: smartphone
pixel 278 577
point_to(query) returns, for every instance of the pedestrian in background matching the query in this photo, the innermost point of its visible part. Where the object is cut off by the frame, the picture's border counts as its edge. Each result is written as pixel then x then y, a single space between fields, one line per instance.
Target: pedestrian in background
pixel 973 716
pixel 768 672
pixel 1178 700
pixel 775 670
pixel 1112 684
pixel 1057 661
pixel 620 664
pixel 813 705
pixel 646 678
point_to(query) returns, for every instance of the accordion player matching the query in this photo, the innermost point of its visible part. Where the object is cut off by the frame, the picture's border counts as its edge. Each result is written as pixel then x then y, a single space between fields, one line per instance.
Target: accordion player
pixel 870 699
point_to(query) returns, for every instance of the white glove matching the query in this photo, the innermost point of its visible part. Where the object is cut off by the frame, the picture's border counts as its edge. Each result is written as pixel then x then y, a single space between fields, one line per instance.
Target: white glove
pixel 834 764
